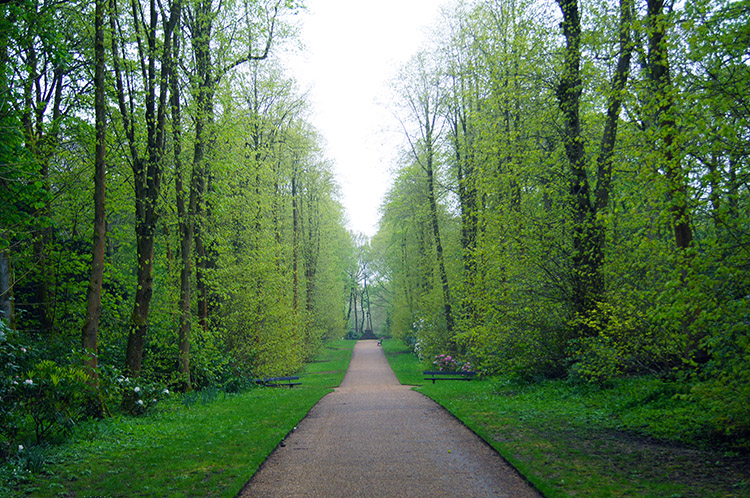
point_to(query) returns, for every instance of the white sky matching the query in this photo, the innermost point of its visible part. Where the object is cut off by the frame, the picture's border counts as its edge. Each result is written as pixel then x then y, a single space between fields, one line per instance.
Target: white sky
pixel 353 49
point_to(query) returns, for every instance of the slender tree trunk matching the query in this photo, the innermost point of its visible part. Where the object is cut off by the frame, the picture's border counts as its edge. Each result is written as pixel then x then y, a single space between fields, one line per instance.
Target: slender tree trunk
pixel 296 239
pixel 6 291
pixel 356 313
pixel 41 138
pixel 362 306
pixel 467 195
pixel 146 173
pixel 185 226
pixel 201 29
pixel 312 250
pixel 614 105
pixel 664 121
pixel 663 109
pixel 436 234
pixel 90 331
pixel 145 279
pixel 349 308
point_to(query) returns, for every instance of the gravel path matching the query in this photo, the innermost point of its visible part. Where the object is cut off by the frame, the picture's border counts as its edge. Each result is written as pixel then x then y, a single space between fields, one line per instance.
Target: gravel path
pixel 374 437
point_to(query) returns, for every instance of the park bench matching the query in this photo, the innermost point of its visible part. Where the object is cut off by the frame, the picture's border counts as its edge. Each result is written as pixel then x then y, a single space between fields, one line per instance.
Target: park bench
pixel 278 381
pixel 441 375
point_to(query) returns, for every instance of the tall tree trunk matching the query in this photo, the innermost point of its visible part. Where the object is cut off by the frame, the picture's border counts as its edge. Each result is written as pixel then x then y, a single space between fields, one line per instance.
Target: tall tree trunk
pixel 663 119
pixel 312 251
pixel 356 313
pixel 6 291
pixel 147 172
pixel 586 276
pixel 436 233
pixel 588 226
pixel 201 29
pixel 614 105
pixel 349 308
pixel 467 196
pixel 207 77
pixel 90 331
pixel 362 306
pixel 185 226
pixel 40 140
pixel 296 240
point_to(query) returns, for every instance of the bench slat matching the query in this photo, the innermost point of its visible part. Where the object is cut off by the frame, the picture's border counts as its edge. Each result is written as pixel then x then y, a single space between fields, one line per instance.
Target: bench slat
pixel 443 375
pixel 278 381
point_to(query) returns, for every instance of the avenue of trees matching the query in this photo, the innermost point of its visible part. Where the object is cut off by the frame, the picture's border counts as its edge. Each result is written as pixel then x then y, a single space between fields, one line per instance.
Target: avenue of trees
pixel 571 201
pixel 166 212
pixel 572 197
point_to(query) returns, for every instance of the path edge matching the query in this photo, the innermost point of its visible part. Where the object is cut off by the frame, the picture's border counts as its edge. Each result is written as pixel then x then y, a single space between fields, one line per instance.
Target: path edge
pixel 281 442
pixel 512 463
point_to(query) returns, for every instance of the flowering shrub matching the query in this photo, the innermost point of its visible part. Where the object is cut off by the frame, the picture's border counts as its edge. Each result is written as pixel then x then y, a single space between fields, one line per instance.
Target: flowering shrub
pixel 139 395
pixel 448 363
pixel 13 360
pixel 445 362
pixel 53 397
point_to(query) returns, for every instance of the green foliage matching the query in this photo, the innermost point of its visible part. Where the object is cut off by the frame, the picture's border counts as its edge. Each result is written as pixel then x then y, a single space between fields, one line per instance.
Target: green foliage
pixel 626 261
pixel 13 362
pixel 211 442
pixel 275 254
pixel 54 397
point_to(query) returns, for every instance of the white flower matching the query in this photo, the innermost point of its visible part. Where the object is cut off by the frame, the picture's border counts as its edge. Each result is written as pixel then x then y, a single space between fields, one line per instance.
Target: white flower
pixel 166 391
pixel 29 382
pixel 136 389
pixel 20 447
pixel 140 402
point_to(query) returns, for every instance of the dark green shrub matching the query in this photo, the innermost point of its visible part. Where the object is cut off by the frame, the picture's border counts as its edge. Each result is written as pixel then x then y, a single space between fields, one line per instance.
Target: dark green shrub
pixel 15 358
pixel 53 397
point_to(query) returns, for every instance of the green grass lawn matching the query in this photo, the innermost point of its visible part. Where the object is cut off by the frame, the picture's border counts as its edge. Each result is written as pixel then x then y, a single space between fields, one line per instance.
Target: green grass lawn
pixel 632 439
pixel 209 447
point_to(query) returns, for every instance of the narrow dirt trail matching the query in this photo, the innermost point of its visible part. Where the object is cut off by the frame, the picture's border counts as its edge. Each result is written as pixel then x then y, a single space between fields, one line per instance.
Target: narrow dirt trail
pixel 374 437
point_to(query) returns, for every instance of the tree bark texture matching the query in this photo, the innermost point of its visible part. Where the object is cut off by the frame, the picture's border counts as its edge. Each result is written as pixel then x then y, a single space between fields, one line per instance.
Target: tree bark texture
pixel 147 170
pixel 6 291
pixel 663 109
pixel 436 232
pixel 90 331
pixel 588 225
pixel 185 227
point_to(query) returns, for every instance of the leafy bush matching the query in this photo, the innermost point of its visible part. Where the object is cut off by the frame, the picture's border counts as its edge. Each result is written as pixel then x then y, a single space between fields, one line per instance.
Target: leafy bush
pixel 53 397
pixel 503 349
pixel 12 358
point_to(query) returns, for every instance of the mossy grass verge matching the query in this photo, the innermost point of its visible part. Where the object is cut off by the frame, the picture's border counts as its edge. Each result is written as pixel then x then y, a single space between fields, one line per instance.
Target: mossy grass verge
pixel 634 438
pixel 210 446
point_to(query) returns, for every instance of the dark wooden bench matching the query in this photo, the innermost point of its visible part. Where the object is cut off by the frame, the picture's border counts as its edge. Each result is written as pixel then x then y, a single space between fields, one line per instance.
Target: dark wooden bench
pixel 278 381
pixel 443 375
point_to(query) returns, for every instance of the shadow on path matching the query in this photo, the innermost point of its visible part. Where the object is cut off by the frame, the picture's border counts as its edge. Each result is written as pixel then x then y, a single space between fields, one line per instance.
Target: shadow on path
pixel 374 437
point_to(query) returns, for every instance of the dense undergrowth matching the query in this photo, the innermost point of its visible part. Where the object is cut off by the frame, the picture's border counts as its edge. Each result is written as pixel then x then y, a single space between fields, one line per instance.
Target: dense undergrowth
pixel 203 443
pixel 637 436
